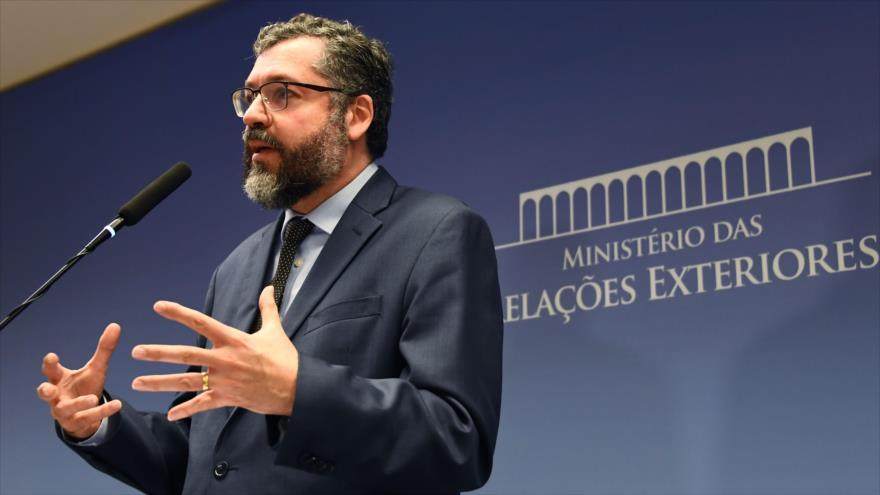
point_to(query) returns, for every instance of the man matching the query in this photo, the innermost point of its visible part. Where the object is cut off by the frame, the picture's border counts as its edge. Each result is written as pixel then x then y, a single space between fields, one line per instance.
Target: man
pixel 373 363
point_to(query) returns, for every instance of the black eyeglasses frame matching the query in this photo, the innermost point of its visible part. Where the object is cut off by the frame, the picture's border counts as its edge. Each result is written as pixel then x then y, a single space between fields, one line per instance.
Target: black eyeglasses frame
pixel 255 92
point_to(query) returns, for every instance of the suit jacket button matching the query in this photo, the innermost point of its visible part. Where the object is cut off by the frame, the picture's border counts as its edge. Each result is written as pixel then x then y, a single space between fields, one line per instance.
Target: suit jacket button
pixel 325 467
pixel 220 470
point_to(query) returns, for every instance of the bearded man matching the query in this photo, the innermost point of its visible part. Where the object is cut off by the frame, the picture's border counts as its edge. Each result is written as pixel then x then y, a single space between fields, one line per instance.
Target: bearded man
pixel 352 346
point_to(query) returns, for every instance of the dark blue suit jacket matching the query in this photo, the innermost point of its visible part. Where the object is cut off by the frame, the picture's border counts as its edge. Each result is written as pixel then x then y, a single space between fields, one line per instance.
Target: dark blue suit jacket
pixel 399 331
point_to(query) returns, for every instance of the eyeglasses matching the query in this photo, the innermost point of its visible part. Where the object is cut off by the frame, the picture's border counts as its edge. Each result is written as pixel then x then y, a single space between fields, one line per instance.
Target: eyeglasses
pixel 274 95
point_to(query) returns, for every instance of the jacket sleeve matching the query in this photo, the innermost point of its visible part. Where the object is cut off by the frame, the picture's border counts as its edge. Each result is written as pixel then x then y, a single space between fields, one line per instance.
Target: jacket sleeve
pixel 143 450
pixel 434 427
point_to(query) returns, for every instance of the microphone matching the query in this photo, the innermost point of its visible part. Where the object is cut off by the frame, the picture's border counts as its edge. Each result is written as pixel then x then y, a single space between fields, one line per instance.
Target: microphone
pixel 137 207
pixel 150 196
pixel 129 214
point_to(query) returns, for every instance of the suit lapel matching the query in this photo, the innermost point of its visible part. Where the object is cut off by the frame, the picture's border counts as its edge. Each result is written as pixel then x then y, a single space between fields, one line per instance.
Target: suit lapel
pixel 255 275
pixel 354 229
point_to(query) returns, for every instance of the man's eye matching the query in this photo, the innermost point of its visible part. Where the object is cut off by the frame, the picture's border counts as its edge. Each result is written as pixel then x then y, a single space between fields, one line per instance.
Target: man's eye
pixel 277 94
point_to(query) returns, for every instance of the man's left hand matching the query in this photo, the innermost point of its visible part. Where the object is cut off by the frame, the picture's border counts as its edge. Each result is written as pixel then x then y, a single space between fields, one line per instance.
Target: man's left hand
pixel 255 371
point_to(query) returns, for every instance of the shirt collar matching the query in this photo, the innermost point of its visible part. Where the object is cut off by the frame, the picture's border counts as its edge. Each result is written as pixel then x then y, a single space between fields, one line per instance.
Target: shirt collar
pixel 327 215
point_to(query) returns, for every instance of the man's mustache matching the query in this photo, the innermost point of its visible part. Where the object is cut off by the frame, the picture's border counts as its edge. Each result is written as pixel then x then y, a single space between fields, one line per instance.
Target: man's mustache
pixel 250 134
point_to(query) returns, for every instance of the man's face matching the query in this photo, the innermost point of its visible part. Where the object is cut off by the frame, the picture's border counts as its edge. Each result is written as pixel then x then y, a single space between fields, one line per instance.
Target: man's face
pixel 290 153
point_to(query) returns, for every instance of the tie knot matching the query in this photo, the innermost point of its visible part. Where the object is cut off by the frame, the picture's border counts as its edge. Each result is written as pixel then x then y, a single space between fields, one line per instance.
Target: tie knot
pixel 296 230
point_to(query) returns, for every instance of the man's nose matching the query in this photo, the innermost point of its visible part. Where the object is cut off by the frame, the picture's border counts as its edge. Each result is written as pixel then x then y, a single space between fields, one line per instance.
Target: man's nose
pixel 256 114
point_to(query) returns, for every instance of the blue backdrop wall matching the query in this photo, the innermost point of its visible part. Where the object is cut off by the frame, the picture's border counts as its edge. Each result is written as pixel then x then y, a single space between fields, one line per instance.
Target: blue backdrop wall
pixel 684 198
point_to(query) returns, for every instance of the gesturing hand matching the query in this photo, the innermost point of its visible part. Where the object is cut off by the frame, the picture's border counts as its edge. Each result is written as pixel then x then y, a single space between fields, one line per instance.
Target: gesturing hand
pixel 255 371
pixel 73 395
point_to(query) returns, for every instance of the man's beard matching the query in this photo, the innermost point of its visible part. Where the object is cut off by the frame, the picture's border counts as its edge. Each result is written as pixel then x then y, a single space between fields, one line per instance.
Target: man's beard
pixel 302 170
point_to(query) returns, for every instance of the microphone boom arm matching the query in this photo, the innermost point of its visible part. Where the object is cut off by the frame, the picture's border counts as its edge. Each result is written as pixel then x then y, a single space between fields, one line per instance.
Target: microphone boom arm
pixel 106 233
pixel 129 214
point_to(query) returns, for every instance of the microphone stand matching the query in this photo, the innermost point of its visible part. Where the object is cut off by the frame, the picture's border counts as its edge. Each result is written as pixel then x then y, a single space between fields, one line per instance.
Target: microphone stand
pixel 106 233
pixel 129 214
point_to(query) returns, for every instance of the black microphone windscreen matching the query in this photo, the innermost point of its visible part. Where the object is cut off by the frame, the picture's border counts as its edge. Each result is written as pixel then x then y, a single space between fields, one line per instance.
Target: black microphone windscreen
pixel 154 193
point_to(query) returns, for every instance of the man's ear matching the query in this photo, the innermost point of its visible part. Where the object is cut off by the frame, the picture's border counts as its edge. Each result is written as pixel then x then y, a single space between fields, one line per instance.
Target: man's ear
pixel 359 116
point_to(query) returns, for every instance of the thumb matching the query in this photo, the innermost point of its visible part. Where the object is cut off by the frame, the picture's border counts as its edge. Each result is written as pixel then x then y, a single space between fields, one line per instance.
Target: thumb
pixel 106 346
pixel 268 308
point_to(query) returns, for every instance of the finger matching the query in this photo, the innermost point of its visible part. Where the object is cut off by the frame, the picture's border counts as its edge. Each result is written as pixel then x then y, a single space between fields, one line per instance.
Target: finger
pixel 268 308
pixel 176 354
pixel 201 323
pixel 52 368
pixel 68 407
pixel 96 414
pixel 47 391
pixel 106 346
pixel 202 402
pixel 176 382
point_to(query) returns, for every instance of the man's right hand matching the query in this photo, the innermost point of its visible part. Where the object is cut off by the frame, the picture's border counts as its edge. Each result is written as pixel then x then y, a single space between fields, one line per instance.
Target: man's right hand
pixel 74 396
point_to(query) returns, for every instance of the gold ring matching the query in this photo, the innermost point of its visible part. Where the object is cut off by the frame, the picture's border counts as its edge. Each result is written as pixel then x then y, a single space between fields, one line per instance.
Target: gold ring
pixel 205 386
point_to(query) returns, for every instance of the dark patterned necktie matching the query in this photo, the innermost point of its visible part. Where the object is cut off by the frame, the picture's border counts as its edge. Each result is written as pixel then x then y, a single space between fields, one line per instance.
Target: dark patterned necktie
pixel 294 232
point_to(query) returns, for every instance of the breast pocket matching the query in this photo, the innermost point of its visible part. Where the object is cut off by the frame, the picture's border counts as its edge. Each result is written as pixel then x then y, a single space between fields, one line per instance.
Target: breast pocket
pixel 351 309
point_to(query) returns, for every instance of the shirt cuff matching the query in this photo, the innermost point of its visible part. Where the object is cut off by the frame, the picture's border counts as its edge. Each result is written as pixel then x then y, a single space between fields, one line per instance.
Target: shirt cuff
pixel 97 437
